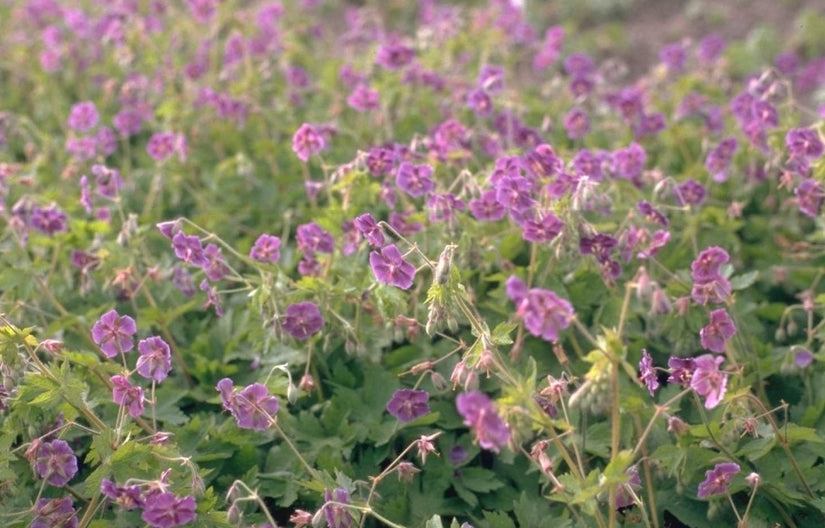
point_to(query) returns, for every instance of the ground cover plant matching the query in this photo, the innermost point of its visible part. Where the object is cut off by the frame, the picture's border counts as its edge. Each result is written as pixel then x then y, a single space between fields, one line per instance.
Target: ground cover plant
pixel 405 264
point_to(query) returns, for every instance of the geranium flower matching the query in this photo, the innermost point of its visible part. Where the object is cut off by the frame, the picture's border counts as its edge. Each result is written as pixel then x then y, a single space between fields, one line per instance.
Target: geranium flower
pixel 113 333
pixel 717 479
pixel 408 404
pixel 390 267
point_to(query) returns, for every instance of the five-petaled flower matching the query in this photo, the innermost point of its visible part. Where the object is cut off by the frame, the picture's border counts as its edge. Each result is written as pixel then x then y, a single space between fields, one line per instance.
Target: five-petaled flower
pixel 167 510
pixel 491 430
pixel 390 267
pixel 307 141
pixel 266 249
pixel 717 479
pixel 55 462
pixel 155 360
pixel 127 395
pixel 113 333
pixel 252 407
pixel 409 404
pixel 302 320
pixel 708 380
pixel 718 331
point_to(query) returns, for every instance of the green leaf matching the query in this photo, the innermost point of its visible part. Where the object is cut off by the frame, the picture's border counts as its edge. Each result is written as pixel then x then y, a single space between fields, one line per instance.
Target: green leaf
pixel 795 433
pixel 740 282
pixel 615 472
pixel 480 480
pixel 501 333
pixel 498 519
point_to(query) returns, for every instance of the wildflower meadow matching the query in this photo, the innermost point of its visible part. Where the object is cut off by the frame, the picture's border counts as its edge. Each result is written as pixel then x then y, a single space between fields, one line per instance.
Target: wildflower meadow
pixel 419 263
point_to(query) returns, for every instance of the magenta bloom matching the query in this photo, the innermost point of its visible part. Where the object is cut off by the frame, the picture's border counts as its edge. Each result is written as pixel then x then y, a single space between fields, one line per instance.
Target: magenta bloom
pixel 707 265
pixel 337 516
pixel 253 407
pixel 647 373
pixel 717 479
pixel 189 249
pixel 113 333
pixel 809 197
pixel 409 404
pixel 576 123
pixel 486 207
pixel 544 230
pixel 215 268
pixel 302 320
pixel 479 414
pixel 311 238
pixel 363 98
pixel 266 249
pixel 708 380
pixel 544 313
pixel 390 267
pixel 368 227
pixel 54 513
pixel 155 361
pixel 415 180
pixel 55 461
pixel 49 220
pixel 83 116
pixel 163 144
pixel 690 192
pixel 718 331
pixel 127 395
pixel 307 141
pixel 167 510
pixel 804 143
pixel 127 497
pixel 681 370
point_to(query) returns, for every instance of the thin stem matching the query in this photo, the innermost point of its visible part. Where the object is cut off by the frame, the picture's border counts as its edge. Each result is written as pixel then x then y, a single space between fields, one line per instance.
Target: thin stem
pixel 295 451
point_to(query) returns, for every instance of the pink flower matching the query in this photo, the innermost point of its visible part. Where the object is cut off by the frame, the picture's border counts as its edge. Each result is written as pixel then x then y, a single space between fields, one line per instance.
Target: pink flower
pixel 708 380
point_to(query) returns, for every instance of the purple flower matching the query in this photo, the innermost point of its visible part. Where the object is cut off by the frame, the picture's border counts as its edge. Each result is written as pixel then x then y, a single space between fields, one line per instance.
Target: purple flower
pixel 127 497
pixel 54 513
pixel 486 208
pixel 311 239
pixel 719 159
pixel 629 162
pixel 551 48
pixel 674 56
pixel 113 333
pixel 266 249
pixel 659 239
pixel 543 230
pixel 809 197
pixel 189 249
pixel 336 515
pixel 514 192
pixel 579 65
pixel 253 407
pixel 48 220
pixel 480 102
pixel 708 380
pixel 544 313
pixel 491 78
pixel 710 48
pixel 108 181
pixel 212 298
pixel 681 370
pixel 55 461
pixel 393 55
pixel 803 357
pixel 651 213
pixel 163 144
pixel 368 227
pixel 363 98
pixel 576 123
pixel 647 373
pixel 717 480
pixel 415 180
pixel 479 414
pixel 390 267
pixel 718 331
pixel 302 320
pixel 167 510
pixel 707 265
pixel 408 404
pixel 599 245
pixel 215 267
pixel 155 360
pixel 83 116
pixel 689 192
pixel 804 143
pixel 380 160
pixel 127 395
pixel 203 10
pixel 307 141
pixel 714 290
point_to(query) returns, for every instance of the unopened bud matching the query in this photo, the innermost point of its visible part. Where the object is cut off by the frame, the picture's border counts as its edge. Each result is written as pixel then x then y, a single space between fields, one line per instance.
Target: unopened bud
pixel 677 426
pixel 234 515
pixel 292 393
pixel 52 345
pixel 406 471
pixel 307 383
pixel 439 382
